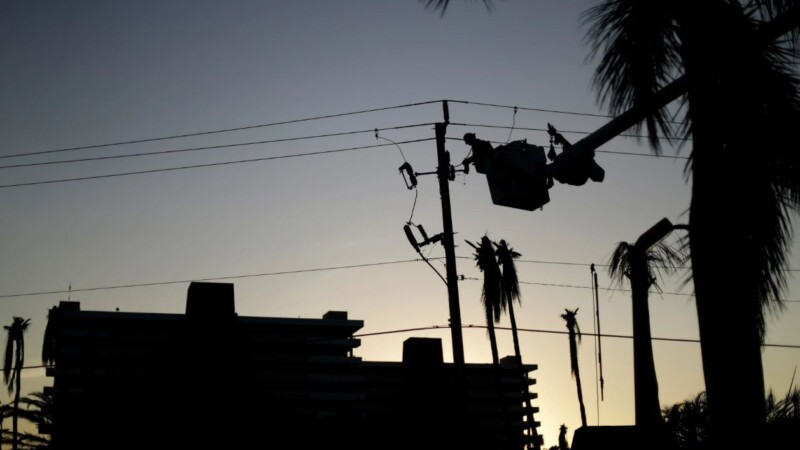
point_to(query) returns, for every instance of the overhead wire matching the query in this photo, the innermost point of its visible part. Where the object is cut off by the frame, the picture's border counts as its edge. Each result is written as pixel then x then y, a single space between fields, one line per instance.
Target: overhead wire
pixel 496 327
pixel 551 111
pixel 504 127
pixel 513 122
pixel 218 131
pixel 320 269
pixel 209 147
pixel 288 122
pixel 220 278
pixel 196 166
pixel 611 152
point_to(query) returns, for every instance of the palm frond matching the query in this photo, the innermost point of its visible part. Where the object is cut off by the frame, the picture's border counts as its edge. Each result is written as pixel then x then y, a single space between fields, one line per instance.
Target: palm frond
pixel 661 257
pixel 571 317
pixel 491 295
pixel 639 56
pixel 509 281
pixel 8 358
pixel 441 5
pixel 15 335
pixel 619 265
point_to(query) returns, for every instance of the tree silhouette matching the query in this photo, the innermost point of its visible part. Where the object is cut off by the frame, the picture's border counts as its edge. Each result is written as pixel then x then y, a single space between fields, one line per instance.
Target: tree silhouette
pixel 38 410
pixel 12 366
pixel 640 267
pixel 688 422
pixel 441 5
pixel 740 111
pixel 492 298
pixel 740 108
pixel 509 289
pixel 570 317
pixel 491 294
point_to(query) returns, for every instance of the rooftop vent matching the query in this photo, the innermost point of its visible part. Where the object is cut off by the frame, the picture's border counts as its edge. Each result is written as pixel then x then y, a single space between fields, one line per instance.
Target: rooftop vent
pixel 422 352
pixel 210 300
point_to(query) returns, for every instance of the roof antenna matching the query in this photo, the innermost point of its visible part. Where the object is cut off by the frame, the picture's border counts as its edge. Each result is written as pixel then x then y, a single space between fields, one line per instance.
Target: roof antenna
pixel 69 292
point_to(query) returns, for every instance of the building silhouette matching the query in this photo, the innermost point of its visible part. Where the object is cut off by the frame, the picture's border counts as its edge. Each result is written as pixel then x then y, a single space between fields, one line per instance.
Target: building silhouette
pixel 212 379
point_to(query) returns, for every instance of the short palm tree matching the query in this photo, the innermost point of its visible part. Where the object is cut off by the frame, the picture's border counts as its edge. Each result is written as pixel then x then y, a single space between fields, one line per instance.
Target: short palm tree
pixel 570 317
pixel 38 410
pixel 12 366
pixel 640 267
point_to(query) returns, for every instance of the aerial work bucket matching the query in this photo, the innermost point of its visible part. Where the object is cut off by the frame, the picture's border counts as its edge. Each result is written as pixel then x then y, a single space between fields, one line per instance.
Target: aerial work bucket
pixel 516 176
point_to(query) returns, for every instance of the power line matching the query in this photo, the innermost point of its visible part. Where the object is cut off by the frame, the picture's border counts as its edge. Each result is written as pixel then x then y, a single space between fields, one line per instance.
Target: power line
pixel 504 127
pixel 196 166
pixel 524 330
pixel 287 122
pixel 613 152
pixel 229 277
pixel 569 263
pixel 224 130
pixel 686 294
pixel 210 147
pixel 553 111
pixel 617 336
pixel 321 269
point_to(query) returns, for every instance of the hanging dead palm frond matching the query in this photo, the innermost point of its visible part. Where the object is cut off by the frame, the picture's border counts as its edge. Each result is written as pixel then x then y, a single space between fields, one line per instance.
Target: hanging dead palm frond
pixel 509 281
pixel 49 342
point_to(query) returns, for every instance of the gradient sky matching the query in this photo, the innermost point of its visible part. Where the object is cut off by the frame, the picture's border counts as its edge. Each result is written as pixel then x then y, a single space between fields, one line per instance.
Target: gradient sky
pixel 89 72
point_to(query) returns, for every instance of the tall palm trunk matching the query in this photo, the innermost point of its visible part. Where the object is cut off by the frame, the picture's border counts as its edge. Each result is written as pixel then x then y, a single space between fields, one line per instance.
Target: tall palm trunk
pixel 491 296
pixel 20 359
pixel 730 337
pixel 573 350
pixel 574 337
pixel 492 340
pixel 13 359
pixel 526 395
pixel 648 410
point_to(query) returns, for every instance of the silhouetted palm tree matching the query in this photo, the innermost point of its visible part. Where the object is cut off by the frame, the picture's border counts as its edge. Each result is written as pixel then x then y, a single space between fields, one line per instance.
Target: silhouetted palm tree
pixel 491 294
pixel 441 5
pixel 688 422
pixel 491 297
pixel 12 366
pixel 38 410
pixel 640 267
pixel 741 107
pixel 574 339
pixel 509 287
pixel 741 110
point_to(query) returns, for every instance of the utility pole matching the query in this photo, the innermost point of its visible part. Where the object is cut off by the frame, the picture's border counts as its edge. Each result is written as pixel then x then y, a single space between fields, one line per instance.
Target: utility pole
pixel 444 173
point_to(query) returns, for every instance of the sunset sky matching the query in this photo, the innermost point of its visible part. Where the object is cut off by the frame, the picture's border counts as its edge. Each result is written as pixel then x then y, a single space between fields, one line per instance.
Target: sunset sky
pixel 102 71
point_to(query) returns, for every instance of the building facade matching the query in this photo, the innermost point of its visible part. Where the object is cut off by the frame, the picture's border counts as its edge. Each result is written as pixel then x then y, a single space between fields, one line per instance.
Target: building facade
pixel 212 379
